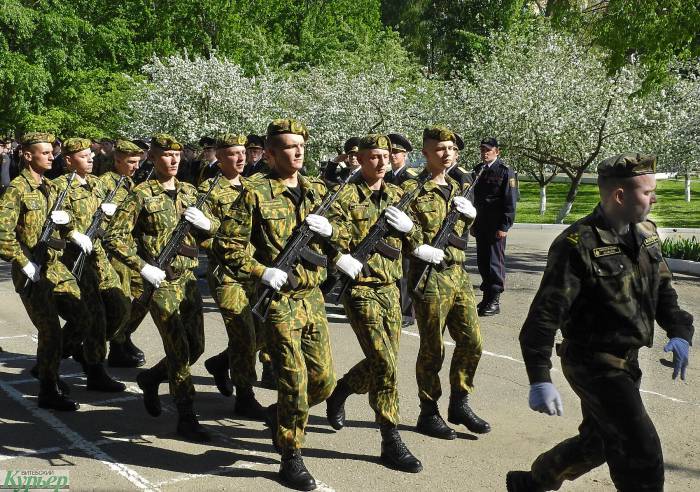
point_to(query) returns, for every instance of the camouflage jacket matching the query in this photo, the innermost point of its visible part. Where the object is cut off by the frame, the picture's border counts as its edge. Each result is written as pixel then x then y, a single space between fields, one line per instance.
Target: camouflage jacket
pixel 353 214
pixel 428 211
pixel 602 294
pixel 266 217
pixel 144 222
pixel 23 210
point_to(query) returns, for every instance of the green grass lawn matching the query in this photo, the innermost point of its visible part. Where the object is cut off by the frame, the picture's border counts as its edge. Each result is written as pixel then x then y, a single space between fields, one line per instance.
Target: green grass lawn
pixel 670 211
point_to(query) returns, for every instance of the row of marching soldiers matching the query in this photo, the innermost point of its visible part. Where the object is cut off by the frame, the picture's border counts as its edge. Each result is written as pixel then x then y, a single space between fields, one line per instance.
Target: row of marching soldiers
pixel 108 237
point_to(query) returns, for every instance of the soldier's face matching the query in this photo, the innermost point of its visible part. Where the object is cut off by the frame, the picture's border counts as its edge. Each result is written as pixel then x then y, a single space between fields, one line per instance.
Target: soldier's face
pixel 353 160
pixel 638 197
pixel 488 154
pixel 39 156
pixel 439 155
pixel 126 165
pixel 80 162
pixel 398 158
pixel 166 162
pixel 209 155
pixel 373 163
pixel 287 153
pixel 231 160
pixel 254 154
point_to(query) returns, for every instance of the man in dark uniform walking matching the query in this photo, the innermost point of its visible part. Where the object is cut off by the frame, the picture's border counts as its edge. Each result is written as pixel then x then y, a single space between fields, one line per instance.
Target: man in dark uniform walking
pixel 494 199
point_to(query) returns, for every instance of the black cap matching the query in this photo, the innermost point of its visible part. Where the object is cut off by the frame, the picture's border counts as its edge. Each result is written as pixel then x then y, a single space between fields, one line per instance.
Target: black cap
pixel 459 141
pixel 142 143
pixel 58 142
pixel 207 142
pixel 489 142
pixel 352 144
pixel 255 141
pixel 399 142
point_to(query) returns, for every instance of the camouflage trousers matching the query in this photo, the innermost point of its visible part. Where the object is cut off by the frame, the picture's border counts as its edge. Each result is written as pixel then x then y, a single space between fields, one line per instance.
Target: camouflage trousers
pixel 615 429
pixel 176 309
pixel 131 285
pixel 56 294
pixel 448 301
pixel 301 351
pixel 375 316
pixel 233 302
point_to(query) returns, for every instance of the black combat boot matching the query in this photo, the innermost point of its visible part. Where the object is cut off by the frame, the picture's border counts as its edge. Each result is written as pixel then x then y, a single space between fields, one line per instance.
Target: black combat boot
pixel 431 423
pixel 188 426
pixel 217 366
pixel 293 472
pixel 272 422
pixel 492 307
pixel 395 454
pixel 522 481
pixel 247 405
pixel 268 378
pixel 459 412
pixel 134 350
pixel 151 399
pixel 99 380
pixel 50 397
pixel 120 356
pixel 63 387
pixel 335 404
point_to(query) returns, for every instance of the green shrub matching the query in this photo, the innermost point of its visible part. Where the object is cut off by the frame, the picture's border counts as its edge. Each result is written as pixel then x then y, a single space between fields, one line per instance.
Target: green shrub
pixel 681 248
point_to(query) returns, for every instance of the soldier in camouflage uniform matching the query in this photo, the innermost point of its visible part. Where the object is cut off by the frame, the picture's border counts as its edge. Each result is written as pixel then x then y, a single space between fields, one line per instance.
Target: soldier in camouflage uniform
pixel 298 330
pixel 446 297
pixel 53 292
pixel 372 303
pixel 605 284
pixel 235 366
pixel 99 285
pixel 138 231
pixel 127 155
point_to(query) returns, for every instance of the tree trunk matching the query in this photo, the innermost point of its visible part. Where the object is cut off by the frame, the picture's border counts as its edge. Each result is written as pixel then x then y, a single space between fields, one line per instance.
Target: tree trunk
pixel 570 197
pixel 543 199
pixel 687 187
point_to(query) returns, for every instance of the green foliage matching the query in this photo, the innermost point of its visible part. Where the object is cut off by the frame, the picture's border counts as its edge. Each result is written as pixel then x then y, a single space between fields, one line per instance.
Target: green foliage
pixel 681 248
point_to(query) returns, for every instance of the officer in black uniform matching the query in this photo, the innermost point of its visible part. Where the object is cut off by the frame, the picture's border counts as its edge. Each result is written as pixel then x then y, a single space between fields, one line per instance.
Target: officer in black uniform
pixel 336 170
pixel 209 166
pixel 494 199
pixel 145 168
pixel 255 163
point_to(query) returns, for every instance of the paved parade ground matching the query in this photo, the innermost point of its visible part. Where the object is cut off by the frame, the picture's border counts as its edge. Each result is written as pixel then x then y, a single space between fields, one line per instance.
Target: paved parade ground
pixel 112 444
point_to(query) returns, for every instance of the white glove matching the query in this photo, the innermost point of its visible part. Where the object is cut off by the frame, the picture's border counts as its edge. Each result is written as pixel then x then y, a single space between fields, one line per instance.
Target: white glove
pixel 197 218
pixel 398 220
pixel 109 208
pixel 82 241
pixel 464 206
pixel 429 254
pixel 274 277
pixel 60 217
pixel 31 270
pixel 320 225
pixel 349 266
pixel 153 275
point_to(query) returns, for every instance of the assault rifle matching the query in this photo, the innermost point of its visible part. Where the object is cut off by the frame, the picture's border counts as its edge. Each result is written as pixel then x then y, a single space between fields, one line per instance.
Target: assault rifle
pixel 41 249
pixel 374 240
pixel 297 249
pixel 445 236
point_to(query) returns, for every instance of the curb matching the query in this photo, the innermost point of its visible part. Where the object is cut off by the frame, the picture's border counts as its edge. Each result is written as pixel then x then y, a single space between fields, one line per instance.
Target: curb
pixel 684 266
pixel 663 231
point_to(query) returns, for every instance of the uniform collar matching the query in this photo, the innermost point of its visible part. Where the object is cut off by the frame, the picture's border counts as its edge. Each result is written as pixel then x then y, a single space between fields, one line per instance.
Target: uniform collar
pixel 364 190
pixel 157 187
pixel 27 175
pixel 277 187
pixel 608 236
pixel 115 177
pixel 432 185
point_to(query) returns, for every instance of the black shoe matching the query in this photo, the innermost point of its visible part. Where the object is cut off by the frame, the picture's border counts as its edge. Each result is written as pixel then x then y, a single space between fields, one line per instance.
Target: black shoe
pixel 432 424
pixel 459 412
pixel 119 356
pixel 271 421
pixel 151 400
pixel 63 387
pixel 189 427
pixel 247 405
pixel 268 379
pixel 293 472
pixel 134 350
pixel 99 380
pixel 49 397
pixel 492 307
pixel 407 321
pixel 217 366
pixel 522 481
pixel 395 454
pixel 335 405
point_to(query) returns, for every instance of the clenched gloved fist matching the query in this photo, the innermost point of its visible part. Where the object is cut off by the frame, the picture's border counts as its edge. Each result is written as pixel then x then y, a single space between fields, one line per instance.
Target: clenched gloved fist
pixel 349 266
pixel 429 254
pixel 109 208
pixel 320 225
pixel 31 270
pixel 681 352
pixel 82 241
pixel 197 218
pixel 153 275
pixel 274 277
pixel 398 219
pixel 545 398
pixel 464 207
pixel 60 217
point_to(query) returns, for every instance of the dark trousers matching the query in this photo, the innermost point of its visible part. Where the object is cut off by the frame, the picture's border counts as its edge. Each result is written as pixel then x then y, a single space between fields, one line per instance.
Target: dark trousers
pixel 616 429
pixel 405 295
pixel 491 260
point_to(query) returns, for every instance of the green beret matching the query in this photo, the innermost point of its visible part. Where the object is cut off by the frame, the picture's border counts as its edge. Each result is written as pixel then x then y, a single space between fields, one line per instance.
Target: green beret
pixel 165 142
pixel 32 138
pixel 127 147
pixel 230 140
pixel 374 141
pixel 278 127
pixel 627 165
pixel 73 145
pixel 439 133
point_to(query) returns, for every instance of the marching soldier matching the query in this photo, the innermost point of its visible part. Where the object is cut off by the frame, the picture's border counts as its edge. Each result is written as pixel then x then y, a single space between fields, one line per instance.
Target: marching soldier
pixel 298 338
pixel 446 298
pixel 372 304
pixel 235 365
pixel 139 230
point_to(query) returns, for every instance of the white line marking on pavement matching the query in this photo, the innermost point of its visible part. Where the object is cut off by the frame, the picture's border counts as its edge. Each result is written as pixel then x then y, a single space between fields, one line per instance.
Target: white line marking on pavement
pixel 13 336
pixel 666 396
pixel 77 440
pixel 29 380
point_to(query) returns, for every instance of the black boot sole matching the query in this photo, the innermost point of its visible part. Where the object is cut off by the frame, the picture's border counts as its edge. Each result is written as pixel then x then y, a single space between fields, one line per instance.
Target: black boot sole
pixel 470 426
pixel 395 466
pixel 446 436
